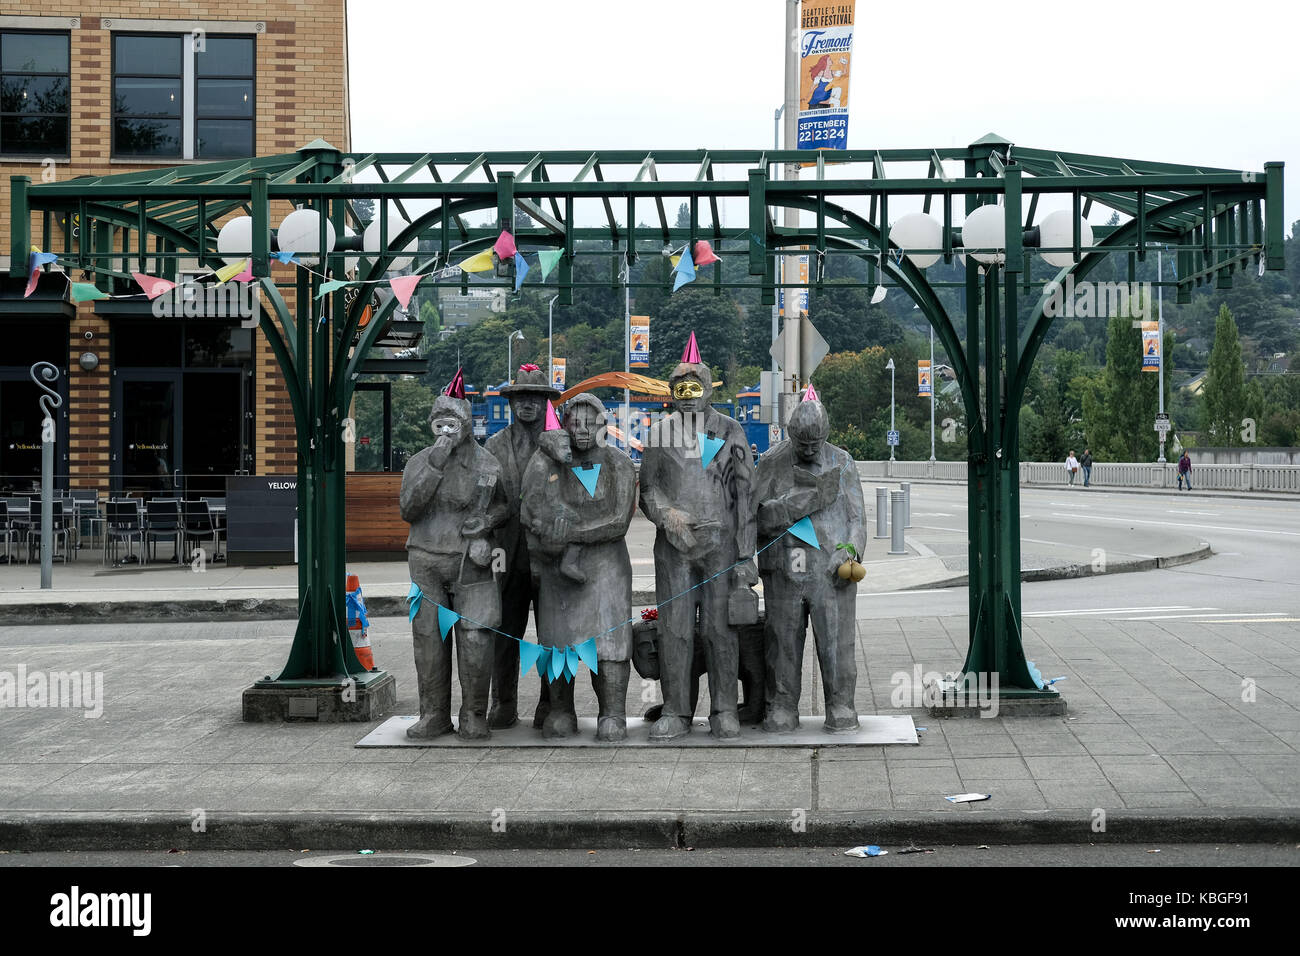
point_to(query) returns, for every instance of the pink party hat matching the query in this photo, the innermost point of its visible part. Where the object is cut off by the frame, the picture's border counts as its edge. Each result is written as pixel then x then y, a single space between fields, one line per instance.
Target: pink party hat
pixel 530 367
pixel 810 394
pixel 691 354
pixel 552 420
pixel 456 387
pixel 704 254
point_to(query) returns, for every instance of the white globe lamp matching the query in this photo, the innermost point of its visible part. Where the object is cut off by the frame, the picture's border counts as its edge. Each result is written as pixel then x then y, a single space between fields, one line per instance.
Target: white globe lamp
pixel 235 240
pixel 300 234
pixel 1056 230
pixel 986 229
pixel 370 241
pixel 917 230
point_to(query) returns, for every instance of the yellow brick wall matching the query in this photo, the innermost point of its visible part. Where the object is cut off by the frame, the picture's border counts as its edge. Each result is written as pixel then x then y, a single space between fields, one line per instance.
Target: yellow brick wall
pixel 301 95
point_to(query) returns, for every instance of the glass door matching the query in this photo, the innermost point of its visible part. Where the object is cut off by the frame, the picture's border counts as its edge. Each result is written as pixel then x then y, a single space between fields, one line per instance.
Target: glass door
pixel 147 435
pixel 213 408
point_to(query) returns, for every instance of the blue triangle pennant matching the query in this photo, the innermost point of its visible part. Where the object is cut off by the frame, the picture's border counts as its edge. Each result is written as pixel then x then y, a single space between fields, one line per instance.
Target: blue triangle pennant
pixel 521 270
pixel 446 618
pixel 685 269
pixel 543 661
pixel 709 448
pixel 588 476
pixel 414 597
pixel 587 653
pixel 571 662
pixel 528 655
pixel 557 663
pixel 804 531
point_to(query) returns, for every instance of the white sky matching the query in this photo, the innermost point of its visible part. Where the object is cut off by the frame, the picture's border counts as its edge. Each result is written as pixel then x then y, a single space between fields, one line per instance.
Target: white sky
pixel 1182 82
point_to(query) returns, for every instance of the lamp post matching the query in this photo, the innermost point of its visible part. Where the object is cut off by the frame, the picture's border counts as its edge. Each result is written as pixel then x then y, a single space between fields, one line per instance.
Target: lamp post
pixel 550 339
pixel 510 351
pixel 776 144
pixel 934 370
pixel 890 366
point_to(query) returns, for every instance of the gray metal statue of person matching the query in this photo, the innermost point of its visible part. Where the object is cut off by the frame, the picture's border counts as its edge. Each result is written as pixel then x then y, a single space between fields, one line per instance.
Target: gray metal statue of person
pixel 453 497
pixel 697 480
pixel 807 476
pixel 514 446
pixel 576 512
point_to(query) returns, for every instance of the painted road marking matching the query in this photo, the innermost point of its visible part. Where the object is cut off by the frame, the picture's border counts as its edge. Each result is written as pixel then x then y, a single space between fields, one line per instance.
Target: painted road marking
pixel 1211 514
pixel 1080 611
pixel 1175 524
pixel 1234 615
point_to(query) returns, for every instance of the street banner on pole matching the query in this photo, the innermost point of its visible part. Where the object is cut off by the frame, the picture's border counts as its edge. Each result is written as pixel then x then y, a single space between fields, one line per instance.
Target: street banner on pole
pixel 639 351
pixel 923 384
pixel 825 49
pixel 799 296
pixel 557 379
pixel 1150 347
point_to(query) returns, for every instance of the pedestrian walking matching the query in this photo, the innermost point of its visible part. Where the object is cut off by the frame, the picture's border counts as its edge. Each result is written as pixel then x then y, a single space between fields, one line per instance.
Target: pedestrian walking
pixel 1071 466
pixel 1086 464
pixel 1185 471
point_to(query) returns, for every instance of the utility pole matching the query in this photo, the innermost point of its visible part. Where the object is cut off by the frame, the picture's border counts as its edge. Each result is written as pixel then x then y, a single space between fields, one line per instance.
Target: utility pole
pixel 932 393
pixel 1160 320
pixel 793 318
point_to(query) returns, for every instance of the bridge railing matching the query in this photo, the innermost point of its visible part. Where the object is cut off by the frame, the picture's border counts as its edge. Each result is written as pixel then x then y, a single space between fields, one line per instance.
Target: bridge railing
pixel 1106 474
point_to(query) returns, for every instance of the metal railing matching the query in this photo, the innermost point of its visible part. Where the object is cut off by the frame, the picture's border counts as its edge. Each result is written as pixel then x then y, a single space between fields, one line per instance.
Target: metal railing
pixel 1285 478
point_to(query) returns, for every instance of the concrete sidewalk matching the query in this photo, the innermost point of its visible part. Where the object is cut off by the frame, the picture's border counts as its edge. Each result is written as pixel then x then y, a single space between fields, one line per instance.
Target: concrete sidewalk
pixel 1161 742
pixel 86 592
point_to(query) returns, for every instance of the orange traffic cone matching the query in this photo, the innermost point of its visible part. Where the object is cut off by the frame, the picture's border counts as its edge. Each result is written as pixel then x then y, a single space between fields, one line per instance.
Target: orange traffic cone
pixel 358 623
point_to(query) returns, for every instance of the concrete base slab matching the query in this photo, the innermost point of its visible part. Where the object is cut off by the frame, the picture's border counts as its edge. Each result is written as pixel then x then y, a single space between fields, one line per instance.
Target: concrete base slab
pixel 368 700
pixel 872 731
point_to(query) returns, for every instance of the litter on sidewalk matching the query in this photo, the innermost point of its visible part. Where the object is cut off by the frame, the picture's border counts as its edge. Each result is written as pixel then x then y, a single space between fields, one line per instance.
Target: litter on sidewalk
pixel 862 851
pixel 968 797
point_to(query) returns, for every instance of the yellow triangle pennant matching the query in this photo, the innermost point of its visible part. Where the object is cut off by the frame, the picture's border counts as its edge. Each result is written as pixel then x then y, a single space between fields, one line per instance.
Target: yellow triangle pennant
pixel 481 262
pixel 226 273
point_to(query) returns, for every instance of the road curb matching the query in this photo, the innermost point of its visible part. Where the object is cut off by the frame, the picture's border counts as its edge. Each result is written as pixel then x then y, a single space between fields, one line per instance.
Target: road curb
pixel 73 830
pixel 1209 494
pixel 1087 570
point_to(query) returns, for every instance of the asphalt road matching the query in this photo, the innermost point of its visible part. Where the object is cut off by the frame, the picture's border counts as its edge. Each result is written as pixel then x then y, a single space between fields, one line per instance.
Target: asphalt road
pixel 1146 855
pixel 1253 574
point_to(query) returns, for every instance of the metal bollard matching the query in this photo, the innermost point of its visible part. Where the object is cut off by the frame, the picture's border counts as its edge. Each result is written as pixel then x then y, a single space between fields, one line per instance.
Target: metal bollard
pixel 907 503
pixel 897 504
pixel 882 512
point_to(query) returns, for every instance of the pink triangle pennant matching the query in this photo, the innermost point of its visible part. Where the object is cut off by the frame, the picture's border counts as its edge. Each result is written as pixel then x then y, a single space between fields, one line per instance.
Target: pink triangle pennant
pixel 810 394
pixel 403 286
pixel 34 278
pixel 153 286
pixel 246 275
pixel 552 420
pixel 691 354
pixel 505 246
pixel 704 254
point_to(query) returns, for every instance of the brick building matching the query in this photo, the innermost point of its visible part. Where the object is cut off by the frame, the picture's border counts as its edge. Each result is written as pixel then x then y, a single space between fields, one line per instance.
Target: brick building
pixel 113 87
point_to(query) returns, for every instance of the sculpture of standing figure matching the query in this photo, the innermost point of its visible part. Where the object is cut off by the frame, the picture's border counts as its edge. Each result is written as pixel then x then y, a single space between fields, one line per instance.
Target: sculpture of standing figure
pixel 453 498
pixel 697 480
pixel 806 476
pixel 576 514
pixel 514 446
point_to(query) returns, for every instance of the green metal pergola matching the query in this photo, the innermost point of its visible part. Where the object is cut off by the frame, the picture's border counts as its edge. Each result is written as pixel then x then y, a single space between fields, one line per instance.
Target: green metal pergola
pixel 1217 221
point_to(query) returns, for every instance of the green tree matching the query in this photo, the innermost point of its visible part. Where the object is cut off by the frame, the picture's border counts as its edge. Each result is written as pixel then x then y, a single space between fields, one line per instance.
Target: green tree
pixel 1225 390
pixel 1121 401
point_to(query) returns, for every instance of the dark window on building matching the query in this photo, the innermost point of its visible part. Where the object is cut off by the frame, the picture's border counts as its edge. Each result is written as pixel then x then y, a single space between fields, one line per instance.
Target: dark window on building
pixel 223 97
pixel 183 96
pixel 168 344
pixel 34 81
pixel 148 95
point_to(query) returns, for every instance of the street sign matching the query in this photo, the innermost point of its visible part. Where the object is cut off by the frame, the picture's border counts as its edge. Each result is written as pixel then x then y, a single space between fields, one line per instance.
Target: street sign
pixel 774 434
pixel 892 437
pixel 1163 425
pixel 812 349
pixel 364 439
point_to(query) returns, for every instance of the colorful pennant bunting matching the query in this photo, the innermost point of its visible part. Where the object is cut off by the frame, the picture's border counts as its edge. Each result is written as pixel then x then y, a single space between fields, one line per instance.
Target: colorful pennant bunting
pixel 588 476
pixel 153 286
pixel 528 655
pixel 803 530
pixel 446 619
pixel 505 246
pixel 403 287
pixel 587 654
pixel 86 292
pixel 414 597
pixel 548 259
pixel 521 270
pixel 226 273
pixel 481 262
pixel 685 272
pixel 328 286
pixel 709 448
pixel 704 254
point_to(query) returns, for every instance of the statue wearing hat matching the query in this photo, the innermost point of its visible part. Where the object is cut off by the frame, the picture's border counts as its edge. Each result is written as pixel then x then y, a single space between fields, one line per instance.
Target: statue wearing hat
pixel 454 499
pixel 805 476
pixel 576 514
pixel 697 479
pixel 513 446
